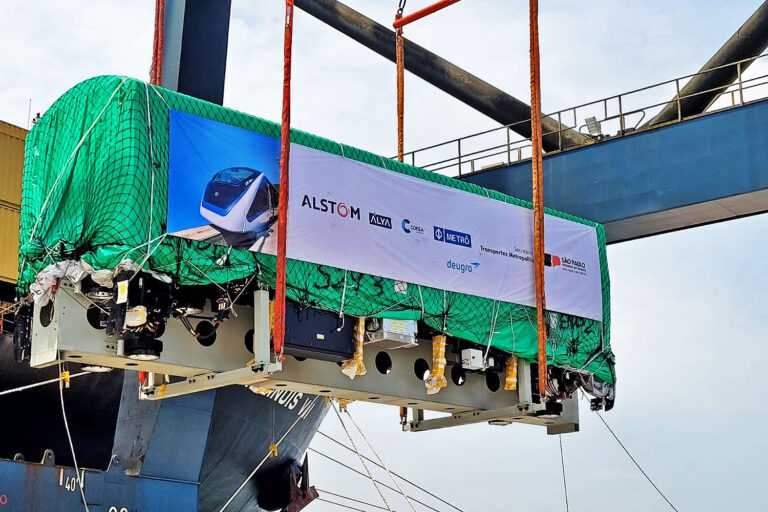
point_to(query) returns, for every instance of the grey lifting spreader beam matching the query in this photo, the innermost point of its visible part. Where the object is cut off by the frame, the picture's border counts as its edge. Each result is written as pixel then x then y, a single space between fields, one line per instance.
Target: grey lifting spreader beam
pixel 447 77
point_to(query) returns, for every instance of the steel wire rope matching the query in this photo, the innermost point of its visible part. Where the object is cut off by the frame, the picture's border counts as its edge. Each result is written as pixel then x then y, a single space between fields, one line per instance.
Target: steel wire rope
pixel 342 505
pixel 562 464
pixel 315 450
pixel 401 477
pixel 261 463
pixel 38 384
pixel 362 461
pixel 351 499
pixel 632 458
pixel 381 462
pixel 69 439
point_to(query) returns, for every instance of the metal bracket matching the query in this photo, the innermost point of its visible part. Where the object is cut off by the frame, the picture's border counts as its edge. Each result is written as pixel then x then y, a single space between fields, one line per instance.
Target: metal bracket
pixel 567 422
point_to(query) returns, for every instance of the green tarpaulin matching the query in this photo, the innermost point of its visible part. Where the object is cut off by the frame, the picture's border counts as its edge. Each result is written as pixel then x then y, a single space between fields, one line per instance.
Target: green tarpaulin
pixel 96 188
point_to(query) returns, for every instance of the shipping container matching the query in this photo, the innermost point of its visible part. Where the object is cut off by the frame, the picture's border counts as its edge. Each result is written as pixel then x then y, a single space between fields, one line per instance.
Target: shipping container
pixel 11 165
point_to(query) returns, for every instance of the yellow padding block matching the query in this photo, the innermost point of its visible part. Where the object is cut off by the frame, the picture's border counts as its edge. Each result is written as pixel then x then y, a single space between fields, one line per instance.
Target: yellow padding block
pixel 355 366
pixel 436 380
pixel 510 374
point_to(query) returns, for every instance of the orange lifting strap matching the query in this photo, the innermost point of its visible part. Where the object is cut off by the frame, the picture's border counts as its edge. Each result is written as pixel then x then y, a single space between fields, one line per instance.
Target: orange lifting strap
pixel 282 205
pixel 156 77
pixel 400 22
pixel 538 197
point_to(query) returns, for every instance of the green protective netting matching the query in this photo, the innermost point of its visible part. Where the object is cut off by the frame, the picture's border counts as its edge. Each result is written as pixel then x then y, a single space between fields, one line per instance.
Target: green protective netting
pixel 96 188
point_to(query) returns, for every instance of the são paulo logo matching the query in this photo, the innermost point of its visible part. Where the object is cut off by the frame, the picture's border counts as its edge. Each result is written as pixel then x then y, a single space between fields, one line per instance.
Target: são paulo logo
pixel 568 264
pixel 408 227
pixel 462 267
pixel 328 206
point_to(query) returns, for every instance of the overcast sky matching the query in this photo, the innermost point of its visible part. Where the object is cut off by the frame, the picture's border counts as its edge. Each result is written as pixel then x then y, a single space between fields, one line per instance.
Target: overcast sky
pixel 687 307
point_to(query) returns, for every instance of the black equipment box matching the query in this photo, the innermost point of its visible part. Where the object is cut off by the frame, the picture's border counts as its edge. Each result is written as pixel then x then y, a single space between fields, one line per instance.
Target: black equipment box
pixel 318 334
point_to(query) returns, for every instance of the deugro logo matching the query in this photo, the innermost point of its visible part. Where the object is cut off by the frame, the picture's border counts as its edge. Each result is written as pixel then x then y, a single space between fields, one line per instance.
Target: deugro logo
pixel 462 267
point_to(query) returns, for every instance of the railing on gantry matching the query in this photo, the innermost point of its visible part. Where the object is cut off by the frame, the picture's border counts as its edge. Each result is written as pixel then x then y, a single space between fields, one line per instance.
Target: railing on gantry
pixel 604 119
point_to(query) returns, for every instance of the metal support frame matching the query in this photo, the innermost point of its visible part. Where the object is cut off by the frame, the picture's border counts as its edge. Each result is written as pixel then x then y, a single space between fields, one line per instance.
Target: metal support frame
pixel 392 376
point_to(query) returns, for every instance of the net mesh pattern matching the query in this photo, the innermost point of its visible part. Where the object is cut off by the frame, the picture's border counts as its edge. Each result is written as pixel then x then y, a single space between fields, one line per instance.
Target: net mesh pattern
pixel 95 188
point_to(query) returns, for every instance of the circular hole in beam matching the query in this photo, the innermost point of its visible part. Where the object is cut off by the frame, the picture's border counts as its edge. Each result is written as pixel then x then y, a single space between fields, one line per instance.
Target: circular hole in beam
pixel 248 341
pixel 421 369
pixel 206 333
pixel 492 381
pixel 458 375
pixel 383 363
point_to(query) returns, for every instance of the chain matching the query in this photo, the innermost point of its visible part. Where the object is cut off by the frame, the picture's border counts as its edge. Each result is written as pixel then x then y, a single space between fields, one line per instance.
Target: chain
pixel 401 7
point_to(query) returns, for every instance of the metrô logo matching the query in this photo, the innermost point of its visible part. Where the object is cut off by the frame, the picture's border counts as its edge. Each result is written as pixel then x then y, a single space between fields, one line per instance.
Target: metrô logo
pixel 450 236
pixel 381 221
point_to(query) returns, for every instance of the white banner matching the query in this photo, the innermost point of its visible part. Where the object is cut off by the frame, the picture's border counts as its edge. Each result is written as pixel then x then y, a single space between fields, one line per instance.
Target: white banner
pixel 224 188
pixel 366 219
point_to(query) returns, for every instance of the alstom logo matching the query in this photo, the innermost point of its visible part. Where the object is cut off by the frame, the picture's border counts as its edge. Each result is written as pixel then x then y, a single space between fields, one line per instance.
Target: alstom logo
pixel 381 221
pixel 328 206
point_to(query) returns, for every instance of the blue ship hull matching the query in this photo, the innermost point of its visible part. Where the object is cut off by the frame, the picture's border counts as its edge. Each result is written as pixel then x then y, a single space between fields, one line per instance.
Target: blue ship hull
pixel 185 454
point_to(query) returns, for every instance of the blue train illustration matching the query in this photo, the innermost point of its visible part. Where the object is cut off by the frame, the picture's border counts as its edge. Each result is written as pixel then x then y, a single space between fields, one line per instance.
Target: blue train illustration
pixel 240 200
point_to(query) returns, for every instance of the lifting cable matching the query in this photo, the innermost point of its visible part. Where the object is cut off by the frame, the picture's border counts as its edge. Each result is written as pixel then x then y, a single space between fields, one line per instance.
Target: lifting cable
pixel 401 477
pixel 269 454
pixel 631 457
pixel 381 462
pixel 318 452
pixel 362 461
pixel 538 196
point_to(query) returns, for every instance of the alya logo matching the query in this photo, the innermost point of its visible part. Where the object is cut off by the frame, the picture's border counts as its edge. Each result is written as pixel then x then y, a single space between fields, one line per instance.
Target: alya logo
pixel 408 227
pixel 328 206
pixel 379 220
pixel 462 267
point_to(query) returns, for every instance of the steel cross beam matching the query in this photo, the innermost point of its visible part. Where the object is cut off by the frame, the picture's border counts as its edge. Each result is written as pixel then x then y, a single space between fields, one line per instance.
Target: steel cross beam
pixel 444 75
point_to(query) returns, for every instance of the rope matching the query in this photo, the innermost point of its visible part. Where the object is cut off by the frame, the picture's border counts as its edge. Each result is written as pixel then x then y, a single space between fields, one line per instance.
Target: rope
pixel 258 466
pixel 562 463
pixel 362 461
pixel 633 459
pixel 350 499
pixel 37 385
pixel 342 505
pixel 314 450
pixel 381 462
pixel 69 438
pixel 401 477
pixel 74 152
